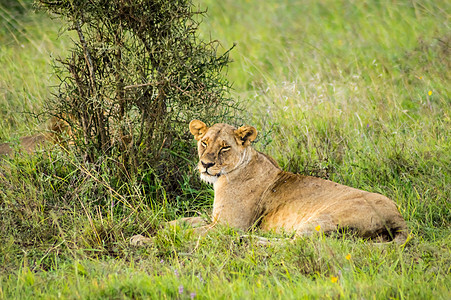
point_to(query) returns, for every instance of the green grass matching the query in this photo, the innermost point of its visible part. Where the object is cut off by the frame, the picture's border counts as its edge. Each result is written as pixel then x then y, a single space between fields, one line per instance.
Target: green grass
pixel 220 268
pixel 28 43
pixel 356 91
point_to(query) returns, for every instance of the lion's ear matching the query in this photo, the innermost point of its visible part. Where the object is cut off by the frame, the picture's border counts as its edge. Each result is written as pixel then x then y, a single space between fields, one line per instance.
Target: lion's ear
pixel 246 135
pixel 198 129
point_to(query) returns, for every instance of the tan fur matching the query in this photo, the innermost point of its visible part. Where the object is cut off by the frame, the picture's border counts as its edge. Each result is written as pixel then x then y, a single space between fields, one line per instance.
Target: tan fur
pixel 251 190
pixel 27 143
pixel 31 143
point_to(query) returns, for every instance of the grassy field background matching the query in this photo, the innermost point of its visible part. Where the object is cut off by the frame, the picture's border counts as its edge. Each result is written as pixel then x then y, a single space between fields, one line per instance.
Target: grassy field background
pixel 354 91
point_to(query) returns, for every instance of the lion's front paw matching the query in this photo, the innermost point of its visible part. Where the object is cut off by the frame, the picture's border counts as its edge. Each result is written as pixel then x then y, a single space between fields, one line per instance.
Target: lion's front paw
pixel 193 222
pixel 139 240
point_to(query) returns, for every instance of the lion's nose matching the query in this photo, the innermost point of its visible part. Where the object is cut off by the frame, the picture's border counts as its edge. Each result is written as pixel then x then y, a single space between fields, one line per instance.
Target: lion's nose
pixel 207 165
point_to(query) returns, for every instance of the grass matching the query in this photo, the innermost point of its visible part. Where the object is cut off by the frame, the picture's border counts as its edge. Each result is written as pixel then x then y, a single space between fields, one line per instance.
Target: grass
pixel 221 267
pixel 356 91
pixel 28 44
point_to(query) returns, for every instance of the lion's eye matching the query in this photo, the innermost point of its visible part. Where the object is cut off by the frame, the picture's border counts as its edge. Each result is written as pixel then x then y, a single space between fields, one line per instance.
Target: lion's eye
pixel 225 148
pixel 204 144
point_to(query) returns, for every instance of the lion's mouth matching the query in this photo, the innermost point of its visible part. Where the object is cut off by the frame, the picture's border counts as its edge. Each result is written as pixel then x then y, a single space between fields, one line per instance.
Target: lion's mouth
pixel 209 174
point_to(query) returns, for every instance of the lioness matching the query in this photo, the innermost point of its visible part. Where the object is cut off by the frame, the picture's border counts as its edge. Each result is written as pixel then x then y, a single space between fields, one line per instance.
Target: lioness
pixel 31 143
pixel 252 191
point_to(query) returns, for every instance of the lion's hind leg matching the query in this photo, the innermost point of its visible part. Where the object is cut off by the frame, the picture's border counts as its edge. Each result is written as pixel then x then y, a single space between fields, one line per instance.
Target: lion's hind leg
pixel 321 223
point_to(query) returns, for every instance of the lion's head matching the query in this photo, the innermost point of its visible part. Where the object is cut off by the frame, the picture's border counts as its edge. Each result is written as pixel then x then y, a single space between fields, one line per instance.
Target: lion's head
pixel 222 148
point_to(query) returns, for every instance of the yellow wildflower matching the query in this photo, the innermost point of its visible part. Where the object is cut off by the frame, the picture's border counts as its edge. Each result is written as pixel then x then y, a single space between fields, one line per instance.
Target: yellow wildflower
pixel 430 93
pixel 334 279
pixel 318 228
pixel 348 257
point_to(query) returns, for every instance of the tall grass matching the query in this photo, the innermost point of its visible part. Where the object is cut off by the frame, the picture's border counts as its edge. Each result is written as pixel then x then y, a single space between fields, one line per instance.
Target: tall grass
pixel 28 43
pixel 354 91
